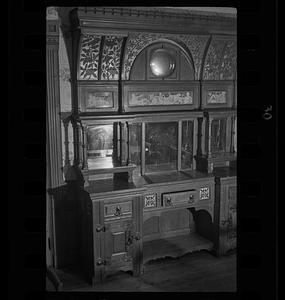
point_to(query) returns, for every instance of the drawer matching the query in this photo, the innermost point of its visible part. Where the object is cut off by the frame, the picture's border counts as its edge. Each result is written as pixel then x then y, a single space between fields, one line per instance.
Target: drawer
pixel 119 209
pixel 180 198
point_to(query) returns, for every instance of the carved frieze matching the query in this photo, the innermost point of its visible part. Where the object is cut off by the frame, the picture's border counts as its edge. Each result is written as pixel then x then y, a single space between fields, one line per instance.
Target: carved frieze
pixel 111 58
pixel 160 98
pixel 196 45
pixel 89 57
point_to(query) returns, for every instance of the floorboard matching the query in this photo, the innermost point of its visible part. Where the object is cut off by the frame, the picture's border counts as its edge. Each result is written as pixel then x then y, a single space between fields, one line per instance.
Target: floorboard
pixel 194 272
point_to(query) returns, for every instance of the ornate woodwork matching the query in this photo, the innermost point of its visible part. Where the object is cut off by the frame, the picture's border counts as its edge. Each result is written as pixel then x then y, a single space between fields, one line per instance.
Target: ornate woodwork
pixel 153 118
pixel 111 55
pixel 89 57
pixel 220 61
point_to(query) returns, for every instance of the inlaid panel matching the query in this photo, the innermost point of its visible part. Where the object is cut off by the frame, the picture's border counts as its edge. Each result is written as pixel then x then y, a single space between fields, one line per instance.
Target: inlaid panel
pixel 160 98
pixel 99 100
pixel 216 97
pixel 98 96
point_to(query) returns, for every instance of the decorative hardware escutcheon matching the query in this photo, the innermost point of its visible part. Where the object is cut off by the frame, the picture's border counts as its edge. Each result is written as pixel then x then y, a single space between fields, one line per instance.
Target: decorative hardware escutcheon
pixel 118 211
pixel 191 199
pixel 133 236
pixel 101 261
pixel 168 201
pixel 101 228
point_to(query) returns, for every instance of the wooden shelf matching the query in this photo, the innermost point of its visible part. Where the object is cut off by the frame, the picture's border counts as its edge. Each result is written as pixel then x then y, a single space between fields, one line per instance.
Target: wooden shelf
pixel 175 246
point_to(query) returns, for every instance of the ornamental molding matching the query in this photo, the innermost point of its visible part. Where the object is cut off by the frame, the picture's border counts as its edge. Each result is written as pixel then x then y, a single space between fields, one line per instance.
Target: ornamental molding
pixel 156 13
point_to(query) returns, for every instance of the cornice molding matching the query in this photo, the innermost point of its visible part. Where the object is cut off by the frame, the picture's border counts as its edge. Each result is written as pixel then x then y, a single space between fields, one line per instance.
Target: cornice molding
pixel 132 19
pixel 154 13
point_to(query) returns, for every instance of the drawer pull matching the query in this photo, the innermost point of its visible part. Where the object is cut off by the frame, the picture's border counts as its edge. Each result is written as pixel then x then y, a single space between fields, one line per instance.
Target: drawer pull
pixel 191 199
pixel 118 211
pixel 168 201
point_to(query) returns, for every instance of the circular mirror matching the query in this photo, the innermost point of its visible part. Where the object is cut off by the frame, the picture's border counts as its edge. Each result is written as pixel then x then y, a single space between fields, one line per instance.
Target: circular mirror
pixel 162 63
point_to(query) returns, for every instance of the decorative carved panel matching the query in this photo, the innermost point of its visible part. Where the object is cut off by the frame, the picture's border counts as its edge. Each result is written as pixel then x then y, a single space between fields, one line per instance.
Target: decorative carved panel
pixel 220 62
pixel 213 59
pixel 228 63
pixel 150 201
pixel 204 193
pixel 89 57
pixel 99 100
pixel 160 98
pixel 111 58
pixel 196 44
pixel 98 97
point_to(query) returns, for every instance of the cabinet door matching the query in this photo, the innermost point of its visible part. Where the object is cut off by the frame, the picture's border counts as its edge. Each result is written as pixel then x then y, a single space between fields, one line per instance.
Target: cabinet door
pixel 228 220
pixel 232 217
pixel 121 237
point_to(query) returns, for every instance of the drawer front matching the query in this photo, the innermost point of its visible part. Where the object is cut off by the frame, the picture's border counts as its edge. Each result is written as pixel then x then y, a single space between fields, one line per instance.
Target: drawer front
pixel 119 209
pixel 180 198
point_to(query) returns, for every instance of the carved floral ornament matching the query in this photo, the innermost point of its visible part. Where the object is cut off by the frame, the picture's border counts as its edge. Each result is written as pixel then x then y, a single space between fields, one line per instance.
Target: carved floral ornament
pixel 89 57
pixel 220 61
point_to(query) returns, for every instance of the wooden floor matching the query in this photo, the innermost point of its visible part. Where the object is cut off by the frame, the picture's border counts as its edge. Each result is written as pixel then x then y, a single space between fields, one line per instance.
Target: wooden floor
pixel 193 272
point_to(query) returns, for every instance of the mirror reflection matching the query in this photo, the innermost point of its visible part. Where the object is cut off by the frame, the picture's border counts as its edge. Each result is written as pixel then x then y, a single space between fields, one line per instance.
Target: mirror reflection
pixel 100 147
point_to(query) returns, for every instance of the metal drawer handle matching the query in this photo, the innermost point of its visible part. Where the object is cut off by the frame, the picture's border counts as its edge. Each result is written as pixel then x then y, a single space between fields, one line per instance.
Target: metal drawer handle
pixel 118 211
pixel 191 199
pixel 168 201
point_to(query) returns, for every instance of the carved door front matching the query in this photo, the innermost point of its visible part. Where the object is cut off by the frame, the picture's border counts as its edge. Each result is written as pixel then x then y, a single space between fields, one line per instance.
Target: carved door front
pixel 232 217
pixel 119 240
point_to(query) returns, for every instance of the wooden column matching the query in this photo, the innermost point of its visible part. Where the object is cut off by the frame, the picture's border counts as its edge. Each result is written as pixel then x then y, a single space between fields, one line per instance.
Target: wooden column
pixel 53 104
pixel 53 129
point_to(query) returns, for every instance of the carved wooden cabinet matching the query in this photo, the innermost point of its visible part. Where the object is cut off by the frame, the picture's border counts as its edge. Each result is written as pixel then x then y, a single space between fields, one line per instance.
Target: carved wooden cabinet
pixel 115 234
pixel 225 210
pixel 152 116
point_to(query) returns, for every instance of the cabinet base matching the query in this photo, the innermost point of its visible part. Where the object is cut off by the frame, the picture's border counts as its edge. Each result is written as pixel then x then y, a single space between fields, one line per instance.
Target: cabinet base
pixel 175 246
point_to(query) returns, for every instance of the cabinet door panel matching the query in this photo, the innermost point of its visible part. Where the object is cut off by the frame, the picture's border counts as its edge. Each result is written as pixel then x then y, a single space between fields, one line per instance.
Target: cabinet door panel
pixel 120 239
pixel 232 217
pixel 116 245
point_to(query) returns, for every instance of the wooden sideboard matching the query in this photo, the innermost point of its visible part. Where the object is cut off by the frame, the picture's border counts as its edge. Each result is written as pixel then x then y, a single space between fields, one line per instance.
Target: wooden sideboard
pixel 153 119
pixel 122 229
